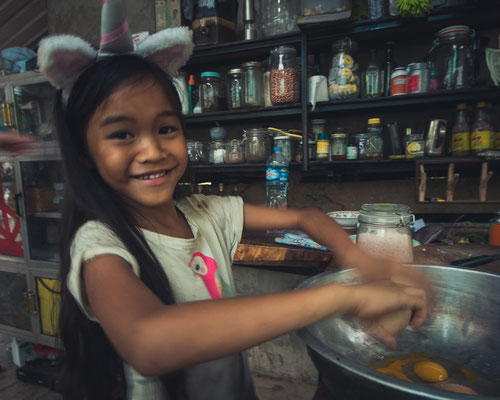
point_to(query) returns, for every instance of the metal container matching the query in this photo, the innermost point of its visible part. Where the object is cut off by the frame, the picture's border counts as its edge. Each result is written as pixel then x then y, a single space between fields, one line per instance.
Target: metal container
pixel 436 138
pixel 463 327
pixel 417 80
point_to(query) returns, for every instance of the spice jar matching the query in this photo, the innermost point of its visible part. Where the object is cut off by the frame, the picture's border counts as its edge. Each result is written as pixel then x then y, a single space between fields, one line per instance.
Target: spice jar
pixel 234 88
pixel 211 95
pixel 398 81
pixel 318 126
pixel 284 78
pixel 257 145
pixel 384 231
pixel 218 152
pixel 195 157
pixel 234 152
pixel 338 145
pixel 374 143
pixel 286 146
pixel 322 147
pixel 253 85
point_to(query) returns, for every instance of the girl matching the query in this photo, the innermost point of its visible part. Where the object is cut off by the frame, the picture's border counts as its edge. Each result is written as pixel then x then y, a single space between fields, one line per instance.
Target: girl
pixel 148 306
pixel 147 285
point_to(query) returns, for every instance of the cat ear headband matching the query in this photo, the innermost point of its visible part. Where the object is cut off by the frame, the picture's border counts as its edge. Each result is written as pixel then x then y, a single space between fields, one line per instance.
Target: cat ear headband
pixel 62 58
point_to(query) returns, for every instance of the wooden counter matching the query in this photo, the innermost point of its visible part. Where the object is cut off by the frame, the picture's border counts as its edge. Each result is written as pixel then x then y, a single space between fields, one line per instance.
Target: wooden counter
pixel 262 251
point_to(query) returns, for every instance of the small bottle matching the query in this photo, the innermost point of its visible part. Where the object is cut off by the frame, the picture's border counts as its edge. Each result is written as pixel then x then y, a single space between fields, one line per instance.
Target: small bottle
pixel 482 135
pixel 191 84
pixel 373 79
pixel 494 230
pixel 276 179
pixel 352 148
pixel 460 133
pixel 389 64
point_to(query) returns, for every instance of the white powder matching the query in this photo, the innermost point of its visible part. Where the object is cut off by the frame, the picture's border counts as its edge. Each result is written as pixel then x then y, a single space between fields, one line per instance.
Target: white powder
pixel 387 243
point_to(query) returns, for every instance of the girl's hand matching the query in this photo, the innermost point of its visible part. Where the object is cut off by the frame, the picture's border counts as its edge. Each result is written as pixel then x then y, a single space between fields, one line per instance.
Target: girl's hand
pixel 17 144
pixel 375 300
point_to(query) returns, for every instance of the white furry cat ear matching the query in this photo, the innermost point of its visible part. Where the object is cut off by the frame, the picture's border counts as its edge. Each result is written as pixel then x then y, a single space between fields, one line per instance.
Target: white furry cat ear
pixel 170 48
pixel 62 58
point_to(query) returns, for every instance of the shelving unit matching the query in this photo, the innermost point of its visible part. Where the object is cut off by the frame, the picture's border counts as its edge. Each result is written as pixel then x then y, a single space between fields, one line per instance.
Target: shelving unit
pixel 316 38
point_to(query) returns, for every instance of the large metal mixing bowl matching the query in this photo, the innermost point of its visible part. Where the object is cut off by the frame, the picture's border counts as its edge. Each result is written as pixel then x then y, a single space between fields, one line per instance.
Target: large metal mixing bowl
pixel 463 327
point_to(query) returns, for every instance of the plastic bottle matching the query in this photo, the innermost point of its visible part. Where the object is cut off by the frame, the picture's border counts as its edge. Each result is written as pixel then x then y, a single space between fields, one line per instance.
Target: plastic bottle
pixel 482 136
pixel 374 143
pixel 191 84
pixel 373 77
pixel 276 179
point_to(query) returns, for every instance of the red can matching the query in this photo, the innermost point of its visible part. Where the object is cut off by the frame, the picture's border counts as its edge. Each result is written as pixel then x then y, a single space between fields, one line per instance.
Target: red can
pixel 398 81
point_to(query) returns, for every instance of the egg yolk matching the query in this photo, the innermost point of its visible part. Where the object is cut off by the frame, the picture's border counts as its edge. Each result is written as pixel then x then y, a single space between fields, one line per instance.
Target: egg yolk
pixel 430 371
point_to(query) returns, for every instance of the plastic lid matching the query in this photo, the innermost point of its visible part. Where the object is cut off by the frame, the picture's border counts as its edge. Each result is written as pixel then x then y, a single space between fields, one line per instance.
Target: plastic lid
pixel 282 137
pixel 284 49
pixel 191 80
pixel 462 106
pixel 251 64
pixel 386 214
pixel 338 135
pixel 235 71
pixel 277 148
pixel 210 74
pixel 323 136
pixel 374 121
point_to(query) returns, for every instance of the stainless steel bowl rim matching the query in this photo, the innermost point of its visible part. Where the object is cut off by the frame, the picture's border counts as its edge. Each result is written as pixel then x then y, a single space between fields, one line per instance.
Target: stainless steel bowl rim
pixel 378 377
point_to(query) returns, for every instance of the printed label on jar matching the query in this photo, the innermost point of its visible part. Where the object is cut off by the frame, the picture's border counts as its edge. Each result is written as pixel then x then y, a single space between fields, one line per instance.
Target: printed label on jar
pixel 277 174
pixel 398 85
pixel 497 141
pixel 481 140
pixel 352 153
pixel 413 84
pixel 460 141
pixel 322 148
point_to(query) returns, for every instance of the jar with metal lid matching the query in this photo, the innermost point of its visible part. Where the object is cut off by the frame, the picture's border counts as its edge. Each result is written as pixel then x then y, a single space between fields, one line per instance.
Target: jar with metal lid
pixel 452 57
pixel 234 87
pixel 218 152
pixel 384 231
pixel 257 145
pixel 318 126
pixel 322 147
pixel 338 145
pixel 374 143
pixel 194 155
pixel 211 92
pixel 417 80
pixel 285 143
pixel 284 77
pixel 234 152
pixel 253 84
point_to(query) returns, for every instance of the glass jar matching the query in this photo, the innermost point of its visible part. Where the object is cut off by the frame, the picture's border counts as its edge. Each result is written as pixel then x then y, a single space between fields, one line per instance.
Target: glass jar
pixel 452 58
pixel 483 136
pixel 286 146
pixel 218 152
pixel 194 155
pixel 278 16
pixel 257 145
pixel 374 143
pixel 384 231
pixel 234 152
pixel 284 77
pixel 343 80
pixel 361 139
pixel 253 85
pixel 318 126
pixel 200 149
pixel 320 7
pixel 339 145
pixel 322 147
pixel 211 94
pixel 234 88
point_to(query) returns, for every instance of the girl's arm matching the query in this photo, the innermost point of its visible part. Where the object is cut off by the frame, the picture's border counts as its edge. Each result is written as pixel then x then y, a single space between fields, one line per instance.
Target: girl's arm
pixel 155 338
pixel 324 230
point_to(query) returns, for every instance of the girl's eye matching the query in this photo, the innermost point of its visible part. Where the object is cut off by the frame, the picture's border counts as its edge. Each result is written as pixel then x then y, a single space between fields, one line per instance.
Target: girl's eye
pixel 121 135
pixel 166 129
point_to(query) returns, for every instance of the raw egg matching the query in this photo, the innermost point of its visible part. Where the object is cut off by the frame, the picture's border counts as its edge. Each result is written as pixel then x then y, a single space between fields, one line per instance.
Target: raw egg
pixel 430 371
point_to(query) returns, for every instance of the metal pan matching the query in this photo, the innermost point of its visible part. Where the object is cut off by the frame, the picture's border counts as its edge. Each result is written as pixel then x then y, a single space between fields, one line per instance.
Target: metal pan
pixel 463 327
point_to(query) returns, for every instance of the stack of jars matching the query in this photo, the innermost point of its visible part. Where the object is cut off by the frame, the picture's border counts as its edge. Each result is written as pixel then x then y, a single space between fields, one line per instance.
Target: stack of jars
pixel 250 86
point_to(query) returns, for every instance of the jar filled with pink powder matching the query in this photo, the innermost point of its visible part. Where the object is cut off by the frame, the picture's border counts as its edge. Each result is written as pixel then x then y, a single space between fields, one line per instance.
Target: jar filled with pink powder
pixel 384 231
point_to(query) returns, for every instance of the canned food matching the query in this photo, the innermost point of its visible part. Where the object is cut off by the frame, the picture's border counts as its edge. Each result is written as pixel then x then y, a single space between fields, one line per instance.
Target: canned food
pixel 398 81
pixel 418 78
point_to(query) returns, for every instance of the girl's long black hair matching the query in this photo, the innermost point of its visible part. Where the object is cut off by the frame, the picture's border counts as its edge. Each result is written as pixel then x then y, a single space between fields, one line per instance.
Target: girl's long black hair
pixel 93 369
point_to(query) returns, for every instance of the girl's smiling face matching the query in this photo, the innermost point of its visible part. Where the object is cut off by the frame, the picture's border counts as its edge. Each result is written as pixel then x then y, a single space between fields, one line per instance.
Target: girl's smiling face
pixel 136 142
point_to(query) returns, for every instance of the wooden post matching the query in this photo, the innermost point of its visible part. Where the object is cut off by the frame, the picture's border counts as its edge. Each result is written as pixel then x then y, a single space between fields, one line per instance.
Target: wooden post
pixel 422 187
pixel 452 181
pixel 483 183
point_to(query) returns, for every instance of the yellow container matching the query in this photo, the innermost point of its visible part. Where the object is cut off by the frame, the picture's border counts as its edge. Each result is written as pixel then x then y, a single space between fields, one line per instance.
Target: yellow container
pixel 49 300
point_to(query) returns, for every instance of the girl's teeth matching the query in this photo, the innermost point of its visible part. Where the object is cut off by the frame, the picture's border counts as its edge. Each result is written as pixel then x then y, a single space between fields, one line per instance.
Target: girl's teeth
pixel 152 176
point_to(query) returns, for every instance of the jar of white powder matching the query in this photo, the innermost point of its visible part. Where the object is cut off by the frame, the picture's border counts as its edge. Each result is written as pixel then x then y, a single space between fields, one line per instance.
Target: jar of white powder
pixel 384 231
